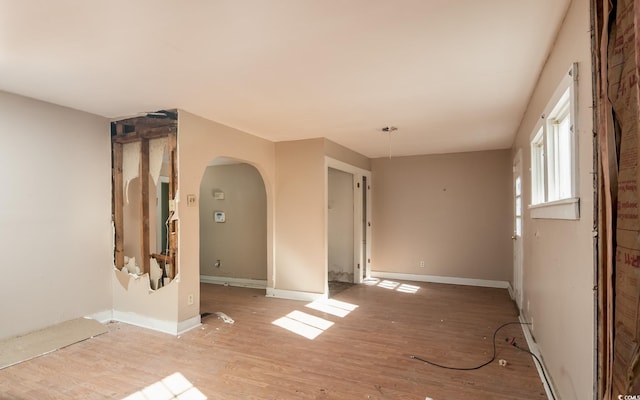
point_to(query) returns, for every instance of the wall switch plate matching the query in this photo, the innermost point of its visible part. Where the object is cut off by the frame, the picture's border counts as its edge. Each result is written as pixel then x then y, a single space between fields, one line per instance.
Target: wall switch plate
pixel 191 200
pixel 190 299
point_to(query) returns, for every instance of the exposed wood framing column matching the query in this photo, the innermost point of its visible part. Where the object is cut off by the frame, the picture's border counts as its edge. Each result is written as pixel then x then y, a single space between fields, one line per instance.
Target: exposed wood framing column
pixel 145 250
pixel 172 144
pixel 118 200
pixel 160 124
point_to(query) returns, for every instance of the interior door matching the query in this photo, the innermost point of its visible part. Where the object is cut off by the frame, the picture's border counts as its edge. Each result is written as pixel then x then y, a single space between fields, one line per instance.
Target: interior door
pixel 517 229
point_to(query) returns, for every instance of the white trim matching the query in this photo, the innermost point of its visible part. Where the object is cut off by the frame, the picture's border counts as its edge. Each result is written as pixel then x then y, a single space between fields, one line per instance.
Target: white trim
pixel 560 209
pixel 533 347
pixel 237 282
pixel 187 325
pixel 442 279
pixel 295 295
pixel 104 317
pixel 512 294
pixel 172 328
pixel 361 255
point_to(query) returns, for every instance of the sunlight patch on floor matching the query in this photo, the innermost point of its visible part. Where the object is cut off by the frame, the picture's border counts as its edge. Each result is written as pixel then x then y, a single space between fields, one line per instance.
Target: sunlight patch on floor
pixel 334 307
pixel 391 285
pixel 404 288
pixel 399 287
pixel 303 324
pixel 175 386
pixel 310 326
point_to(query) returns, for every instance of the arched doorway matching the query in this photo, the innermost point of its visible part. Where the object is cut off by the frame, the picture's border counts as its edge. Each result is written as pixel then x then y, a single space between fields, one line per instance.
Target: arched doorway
pixel 233 225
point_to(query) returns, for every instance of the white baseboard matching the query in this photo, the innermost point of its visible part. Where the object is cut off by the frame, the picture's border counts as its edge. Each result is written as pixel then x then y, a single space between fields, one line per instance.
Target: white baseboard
pixel 441 279
pixel 104 317
pixel 533 347
pixel 295 295
pixel 512 294
pixel 187 325
pixel 239 282
pixel 170 327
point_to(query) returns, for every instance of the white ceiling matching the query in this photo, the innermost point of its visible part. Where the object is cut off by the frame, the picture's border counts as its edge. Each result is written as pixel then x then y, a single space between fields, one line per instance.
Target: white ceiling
pixel 452 75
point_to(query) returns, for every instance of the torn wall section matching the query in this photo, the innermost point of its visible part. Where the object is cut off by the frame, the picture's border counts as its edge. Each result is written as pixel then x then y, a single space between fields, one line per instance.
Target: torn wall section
pixel 145 279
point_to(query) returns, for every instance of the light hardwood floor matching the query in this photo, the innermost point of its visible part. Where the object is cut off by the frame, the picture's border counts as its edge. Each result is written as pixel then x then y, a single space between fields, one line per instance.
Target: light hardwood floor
pixel 362 355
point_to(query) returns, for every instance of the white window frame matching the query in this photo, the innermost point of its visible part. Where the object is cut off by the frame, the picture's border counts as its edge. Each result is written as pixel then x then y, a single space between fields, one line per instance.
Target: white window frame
pixel 547 199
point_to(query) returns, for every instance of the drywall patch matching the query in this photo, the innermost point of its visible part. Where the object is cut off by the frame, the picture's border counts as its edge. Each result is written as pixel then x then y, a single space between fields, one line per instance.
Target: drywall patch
pixel 34 344
pixel 130 165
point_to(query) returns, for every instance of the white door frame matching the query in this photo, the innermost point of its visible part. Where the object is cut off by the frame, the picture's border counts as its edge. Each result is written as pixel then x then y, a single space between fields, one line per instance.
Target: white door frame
pixel 518 233
pixel 361 251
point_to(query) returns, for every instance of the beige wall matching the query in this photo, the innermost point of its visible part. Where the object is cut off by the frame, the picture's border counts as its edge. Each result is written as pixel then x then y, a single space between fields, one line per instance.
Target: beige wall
pixel 450 210
pixel 558 254
pixel 301 257
pixel 200 141
pixel 240 243
pixel 341 153
pixel 55 214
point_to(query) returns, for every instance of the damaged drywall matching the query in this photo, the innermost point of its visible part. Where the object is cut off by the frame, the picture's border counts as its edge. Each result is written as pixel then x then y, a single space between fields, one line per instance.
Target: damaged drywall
pixel 136 303
pixel 145 222
pixel 157 158
pixel 130 165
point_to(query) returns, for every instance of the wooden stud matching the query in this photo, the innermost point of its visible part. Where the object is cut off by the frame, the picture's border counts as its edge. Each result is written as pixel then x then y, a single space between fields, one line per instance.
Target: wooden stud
pixel 172 144
pixel 119 129
pixel 118 202
pixel 145 250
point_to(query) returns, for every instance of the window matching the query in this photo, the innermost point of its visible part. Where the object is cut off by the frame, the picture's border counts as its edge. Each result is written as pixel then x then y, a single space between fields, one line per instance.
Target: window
pixel 554 155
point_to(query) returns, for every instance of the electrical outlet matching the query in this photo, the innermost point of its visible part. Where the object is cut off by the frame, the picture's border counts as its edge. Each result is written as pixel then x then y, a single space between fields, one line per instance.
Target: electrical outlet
pixel 190 299
pixel 191 200
pixel 421 263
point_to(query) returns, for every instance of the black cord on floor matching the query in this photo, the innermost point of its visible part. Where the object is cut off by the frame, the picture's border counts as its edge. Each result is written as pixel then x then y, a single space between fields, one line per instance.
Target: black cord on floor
pixel 493 357
pixel 477 366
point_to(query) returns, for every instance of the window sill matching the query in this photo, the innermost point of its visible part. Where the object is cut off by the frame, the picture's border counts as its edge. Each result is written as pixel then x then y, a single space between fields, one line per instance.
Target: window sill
pixel 561 209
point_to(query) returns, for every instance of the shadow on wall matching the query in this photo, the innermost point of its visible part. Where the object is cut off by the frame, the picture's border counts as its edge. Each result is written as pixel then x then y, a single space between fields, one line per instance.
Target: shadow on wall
pixel 233 221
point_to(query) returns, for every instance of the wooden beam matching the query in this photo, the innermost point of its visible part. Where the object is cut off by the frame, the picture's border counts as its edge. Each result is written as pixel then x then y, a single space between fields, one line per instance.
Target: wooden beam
pixel 172 149
pixel 148 133
pixel 118 203
pixel 145 250
pixel 143 121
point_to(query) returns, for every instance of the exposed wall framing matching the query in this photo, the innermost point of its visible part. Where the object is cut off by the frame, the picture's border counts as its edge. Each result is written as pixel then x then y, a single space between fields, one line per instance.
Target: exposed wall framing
pixel 616 51
pixel 143 129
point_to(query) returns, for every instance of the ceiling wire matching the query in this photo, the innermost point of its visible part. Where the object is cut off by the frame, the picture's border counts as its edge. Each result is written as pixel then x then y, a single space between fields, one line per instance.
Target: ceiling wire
pixel 388 130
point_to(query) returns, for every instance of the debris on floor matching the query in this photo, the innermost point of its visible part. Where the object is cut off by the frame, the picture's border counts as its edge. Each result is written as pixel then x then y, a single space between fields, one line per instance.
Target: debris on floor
pixel 224 317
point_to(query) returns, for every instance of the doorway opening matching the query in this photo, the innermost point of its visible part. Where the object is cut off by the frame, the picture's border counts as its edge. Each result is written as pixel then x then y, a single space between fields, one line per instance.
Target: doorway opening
pixel 233 225
pixel 348 226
